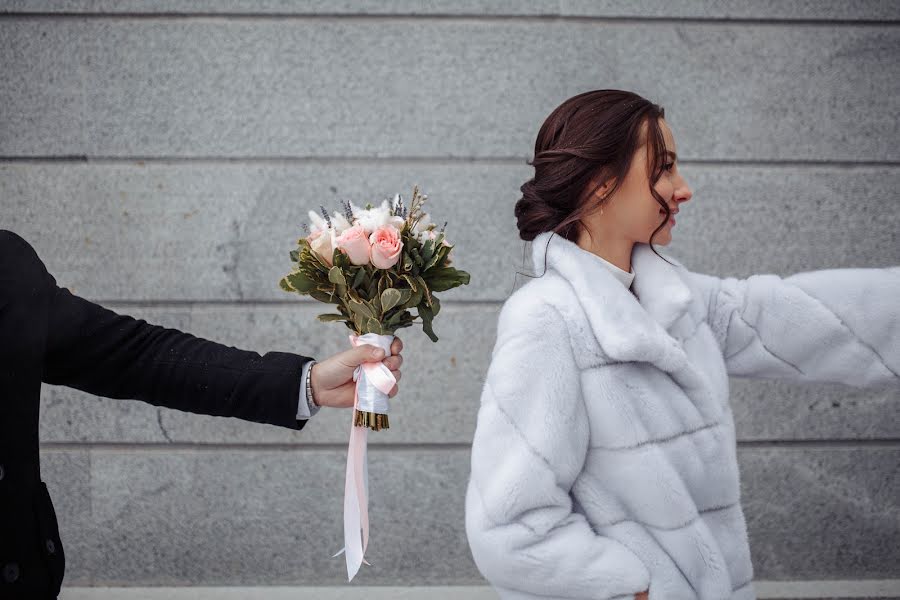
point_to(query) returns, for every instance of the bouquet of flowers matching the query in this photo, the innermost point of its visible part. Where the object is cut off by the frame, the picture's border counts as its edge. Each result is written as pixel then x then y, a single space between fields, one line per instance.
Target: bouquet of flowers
pixel 376 264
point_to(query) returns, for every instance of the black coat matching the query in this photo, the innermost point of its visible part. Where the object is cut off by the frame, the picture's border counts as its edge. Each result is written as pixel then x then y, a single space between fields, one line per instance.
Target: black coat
pixel 48 334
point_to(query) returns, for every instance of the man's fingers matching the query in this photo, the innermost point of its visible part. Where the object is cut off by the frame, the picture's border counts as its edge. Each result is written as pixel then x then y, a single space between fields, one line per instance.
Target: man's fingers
pixel 363 353
pixel 396 388
pixel 393 362
pixel 396 346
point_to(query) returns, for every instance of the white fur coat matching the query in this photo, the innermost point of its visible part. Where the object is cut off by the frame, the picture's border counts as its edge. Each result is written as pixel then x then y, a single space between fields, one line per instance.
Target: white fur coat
pixel 604 458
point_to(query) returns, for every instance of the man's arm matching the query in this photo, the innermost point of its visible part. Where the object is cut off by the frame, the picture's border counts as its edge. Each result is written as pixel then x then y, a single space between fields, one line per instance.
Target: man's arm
pixel 828 325
pixel 96 350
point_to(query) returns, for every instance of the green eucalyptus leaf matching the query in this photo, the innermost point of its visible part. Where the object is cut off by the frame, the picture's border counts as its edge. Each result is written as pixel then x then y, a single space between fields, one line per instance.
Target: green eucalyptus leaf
pixel 427 250
pixel 327 317
pixel 438 257
pixel 414 300
pixel 412 282
pixel 375 303
pixel 358 278
pixel 373 326
pixel 389 299
pixel 396 318
pixel 363 309
pixel 324 297
pixel 300 282
pixel 335 275
pixel 424 285
pixel 427 316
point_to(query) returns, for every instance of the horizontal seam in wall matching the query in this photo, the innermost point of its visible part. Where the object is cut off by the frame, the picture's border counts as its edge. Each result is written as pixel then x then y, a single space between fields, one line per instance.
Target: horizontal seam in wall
pixel 460 17
pixel 416 446
pixel 436 160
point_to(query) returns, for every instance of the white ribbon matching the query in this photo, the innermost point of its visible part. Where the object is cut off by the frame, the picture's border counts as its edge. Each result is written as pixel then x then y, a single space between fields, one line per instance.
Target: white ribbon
pixel 374 381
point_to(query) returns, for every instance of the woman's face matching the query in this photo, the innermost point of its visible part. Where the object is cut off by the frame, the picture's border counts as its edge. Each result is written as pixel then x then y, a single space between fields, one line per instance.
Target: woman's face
pixel 632 212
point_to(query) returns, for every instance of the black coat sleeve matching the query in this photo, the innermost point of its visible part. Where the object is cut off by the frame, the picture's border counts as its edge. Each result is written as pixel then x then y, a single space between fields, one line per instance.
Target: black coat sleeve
pixel 96 350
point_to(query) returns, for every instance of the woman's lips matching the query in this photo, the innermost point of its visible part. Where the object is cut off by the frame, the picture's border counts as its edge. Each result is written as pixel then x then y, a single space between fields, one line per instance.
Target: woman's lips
pixel 671 219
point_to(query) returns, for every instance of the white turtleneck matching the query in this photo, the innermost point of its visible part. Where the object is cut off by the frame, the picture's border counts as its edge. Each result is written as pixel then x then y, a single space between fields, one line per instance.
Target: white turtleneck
pixel 626 277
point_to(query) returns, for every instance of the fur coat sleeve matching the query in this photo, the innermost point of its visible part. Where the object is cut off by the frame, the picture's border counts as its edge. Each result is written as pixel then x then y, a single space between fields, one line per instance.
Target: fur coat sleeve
pixel 530 444
pixel 829 325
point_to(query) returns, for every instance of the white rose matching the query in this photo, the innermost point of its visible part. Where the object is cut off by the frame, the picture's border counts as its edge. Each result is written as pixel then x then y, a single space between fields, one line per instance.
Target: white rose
pixel 324 244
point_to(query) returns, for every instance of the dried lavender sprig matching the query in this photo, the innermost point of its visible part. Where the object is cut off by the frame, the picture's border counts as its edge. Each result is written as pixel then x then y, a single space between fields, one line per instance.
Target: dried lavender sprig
pixel 306 228
pixel 327 218
pixel 348 211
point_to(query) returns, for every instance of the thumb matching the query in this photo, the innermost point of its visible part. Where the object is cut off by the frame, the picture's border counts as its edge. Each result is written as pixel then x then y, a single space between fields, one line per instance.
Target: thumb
pixel 365 353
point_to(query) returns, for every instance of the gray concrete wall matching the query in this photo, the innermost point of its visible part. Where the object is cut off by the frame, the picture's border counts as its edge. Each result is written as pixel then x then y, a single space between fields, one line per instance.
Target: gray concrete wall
pixel 161 157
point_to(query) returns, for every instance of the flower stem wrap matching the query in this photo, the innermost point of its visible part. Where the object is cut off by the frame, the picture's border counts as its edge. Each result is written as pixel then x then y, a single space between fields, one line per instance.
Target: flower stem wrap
pixel 374 381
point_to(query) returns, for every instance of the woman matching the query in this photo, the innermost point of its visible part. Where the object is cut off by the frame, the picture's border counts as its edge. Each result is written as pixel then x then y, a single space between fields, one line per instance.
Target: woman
pixel 604 458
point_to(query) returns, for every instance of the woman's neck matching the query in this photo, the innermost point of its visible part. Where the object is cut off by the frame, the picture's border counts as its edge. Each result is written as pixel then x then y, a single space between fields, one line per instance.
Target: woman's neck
pixel 616 252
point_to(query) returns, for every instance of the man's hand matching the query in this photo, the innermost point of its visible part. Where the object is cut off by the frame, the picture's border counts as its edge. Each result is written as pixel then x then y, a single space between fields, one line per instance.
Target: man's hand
pixel 332 379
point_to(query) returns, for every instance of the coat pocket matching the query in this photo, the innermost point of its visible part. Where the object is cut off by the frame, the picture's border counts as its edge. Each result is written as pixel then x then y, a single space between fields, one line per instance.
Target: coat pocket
pixel 49 544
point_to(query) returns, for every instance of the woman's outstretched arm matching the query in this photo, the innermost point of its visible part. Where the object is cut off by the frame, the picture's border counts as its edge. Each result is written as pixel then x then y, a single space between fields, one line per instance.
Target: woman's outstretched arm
pixel 530 443
pixel 828 325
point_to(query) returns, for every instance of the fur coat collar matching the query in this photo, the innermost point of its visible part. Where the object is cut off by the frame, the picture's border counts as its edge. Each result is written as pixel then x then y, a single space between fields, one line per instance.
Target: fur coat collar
pixel 619 320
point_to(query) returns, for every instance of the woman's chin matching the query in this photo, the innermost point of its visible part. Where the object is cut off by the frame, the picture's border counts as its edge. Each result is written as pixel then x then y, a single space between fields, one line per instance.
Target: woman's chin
pixel 663 238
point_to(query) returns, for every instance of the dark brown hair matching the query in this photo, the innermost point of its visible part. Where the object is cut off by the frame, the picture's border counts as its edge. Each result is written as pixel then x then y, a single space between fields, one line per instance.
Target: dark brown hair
pixel 589 138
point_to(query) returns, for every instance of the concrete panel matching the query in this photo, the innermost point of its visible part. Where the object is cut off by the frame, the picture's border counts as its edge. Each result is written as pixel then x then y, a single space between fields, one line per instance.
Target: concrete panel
pixel 223 517
pixel 221 231
pixel 362 88
pixel 682 9
pixel 440 388
pixel 827 512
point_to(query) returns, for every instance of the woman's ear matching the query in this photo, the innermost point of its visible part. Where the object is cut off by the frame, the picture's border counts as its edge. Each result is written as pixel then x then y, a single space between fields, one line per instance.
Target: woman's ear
pixel 598 186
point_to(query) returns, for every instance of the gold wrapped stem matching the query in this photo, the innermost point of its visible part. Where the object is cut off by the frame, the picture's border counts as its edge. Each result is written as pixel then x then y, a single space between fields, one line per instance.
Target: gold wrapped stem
pixel 371 420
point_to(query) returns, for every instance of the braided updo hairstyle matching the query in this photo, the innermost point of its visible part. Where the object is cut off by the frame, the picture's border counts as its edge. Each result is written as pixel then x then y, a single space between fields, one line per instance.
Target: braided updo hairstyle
pixel 589 138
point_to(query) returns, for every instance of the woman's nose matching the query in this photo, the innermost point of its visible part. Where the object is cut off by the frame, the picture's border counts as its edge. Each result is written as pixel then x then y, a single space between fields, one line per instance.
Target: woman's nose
pixel 683 193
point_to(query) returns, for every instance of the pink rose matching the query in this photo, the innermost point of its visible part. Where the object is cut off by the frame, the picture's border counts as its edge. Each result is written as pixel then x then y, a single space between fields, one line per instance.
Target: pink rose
pixel 386 247
pixel 322 243
pixel 355 244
